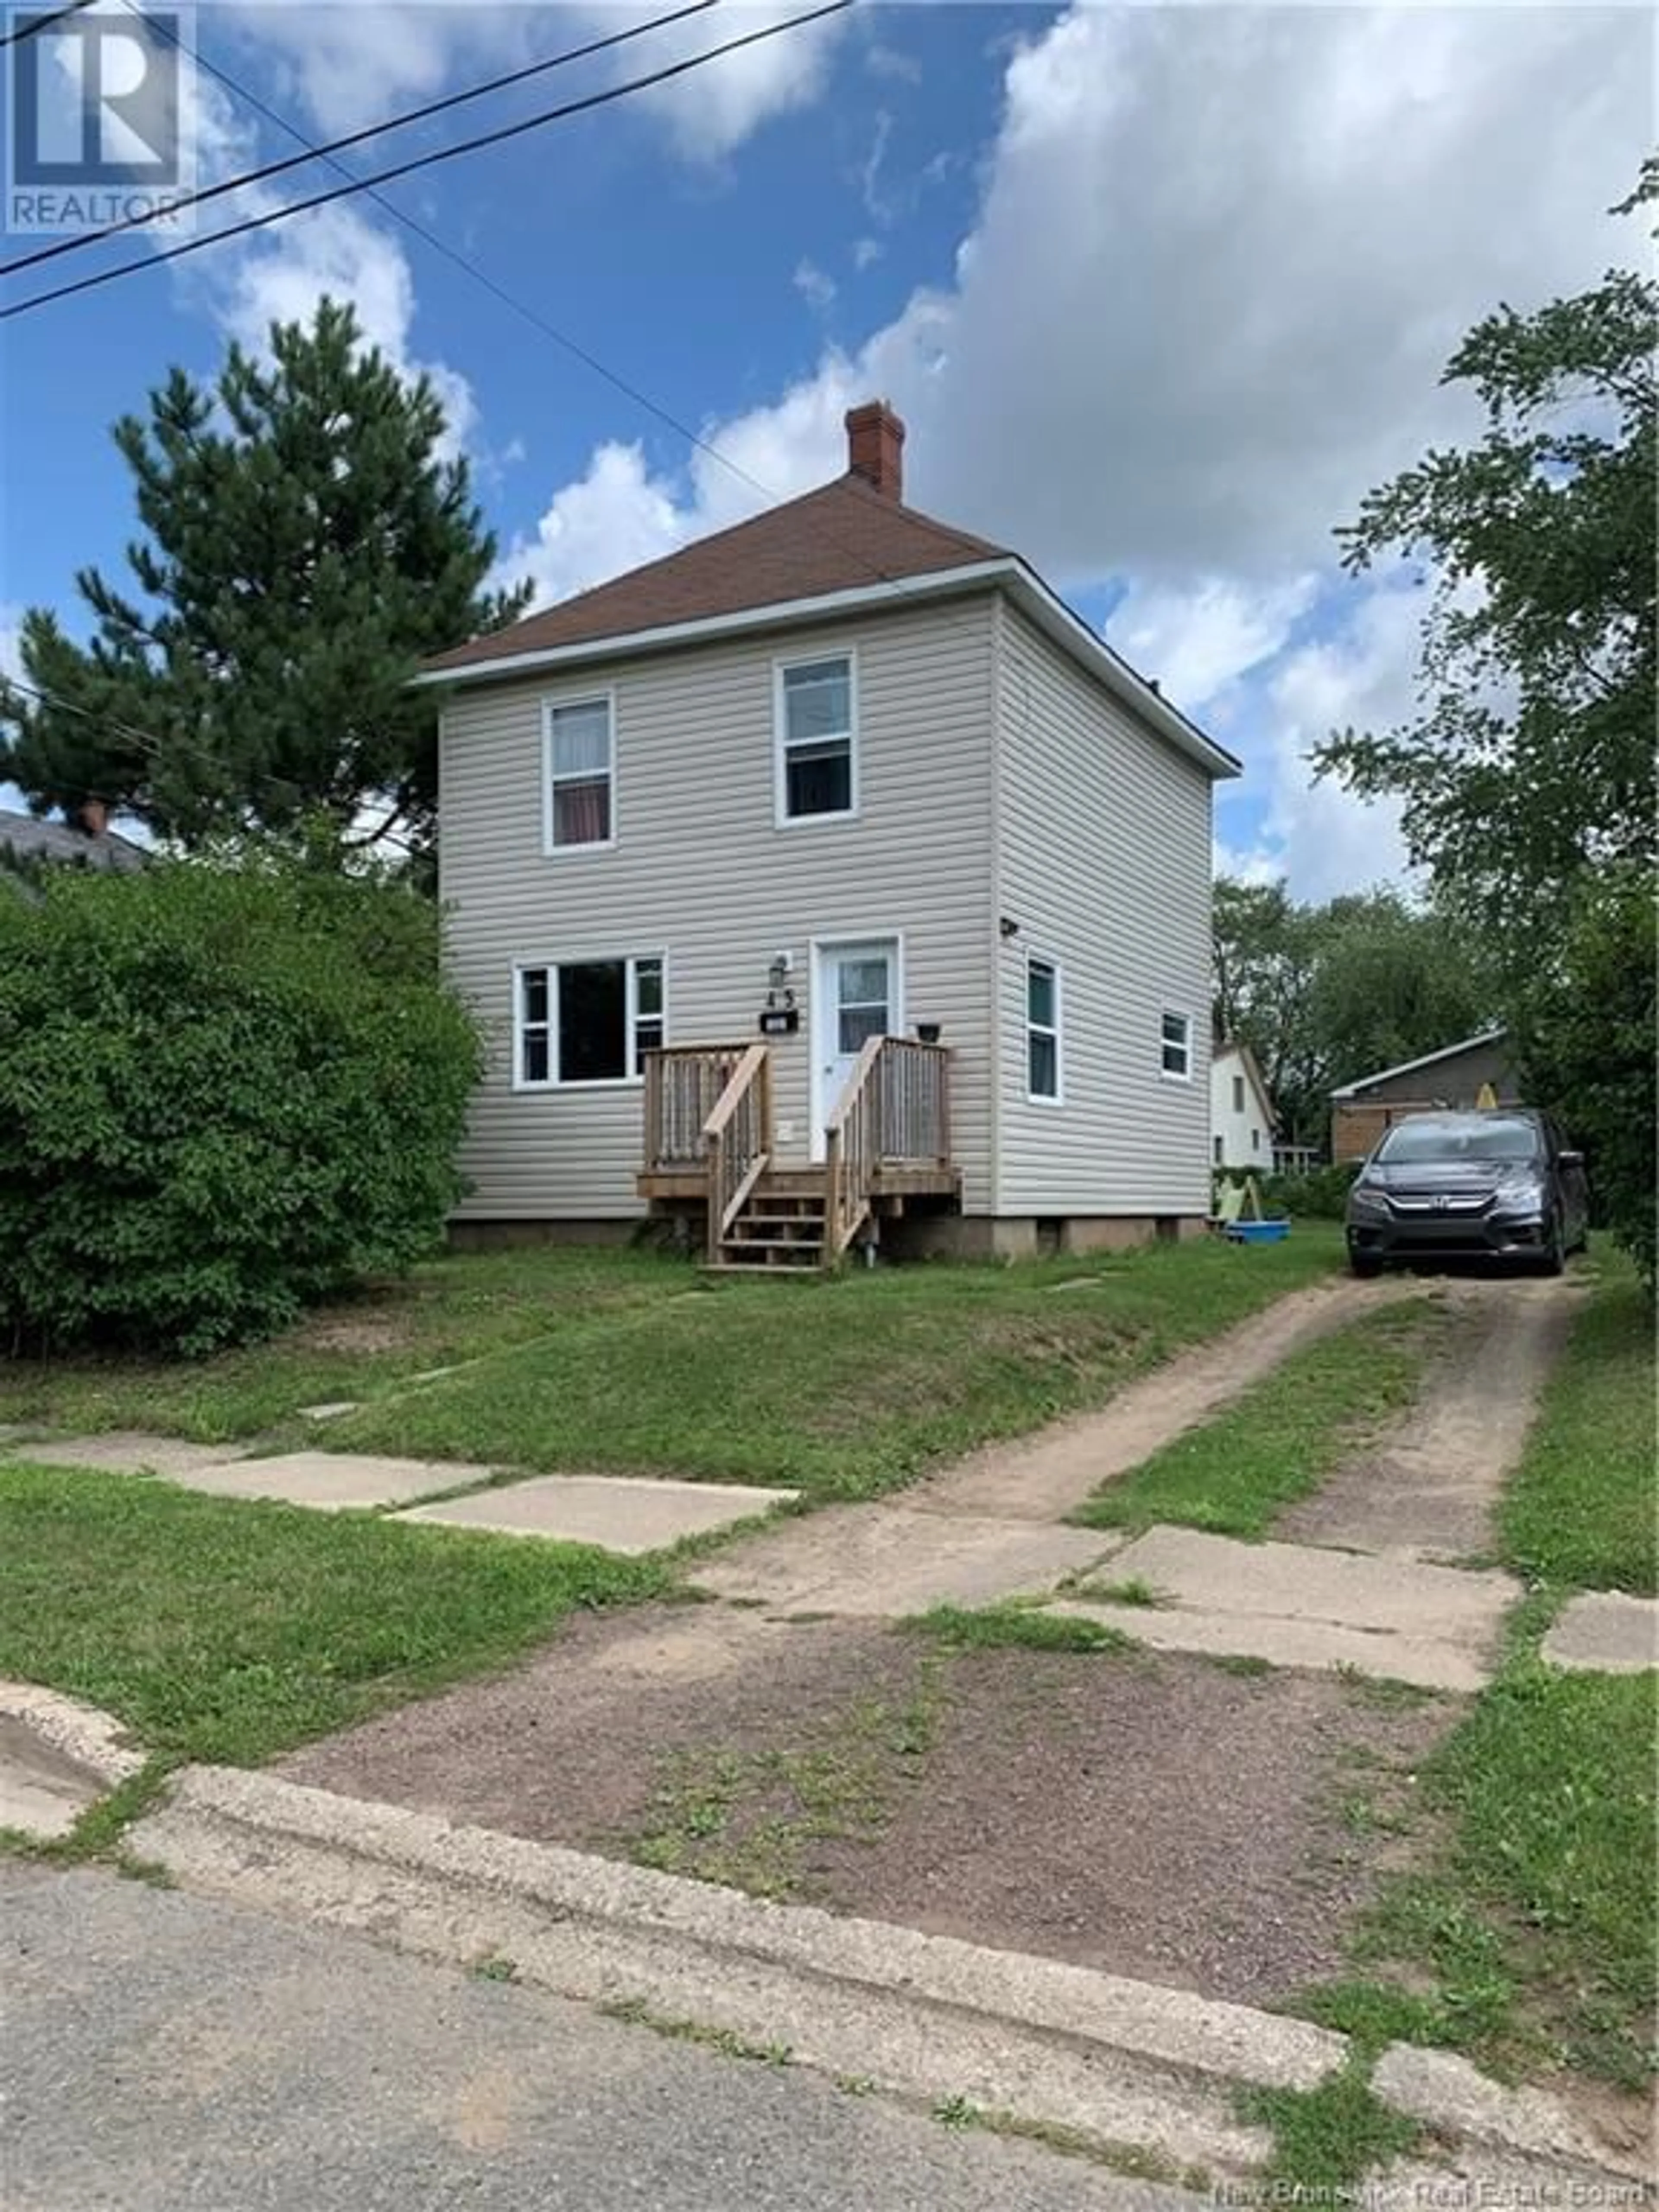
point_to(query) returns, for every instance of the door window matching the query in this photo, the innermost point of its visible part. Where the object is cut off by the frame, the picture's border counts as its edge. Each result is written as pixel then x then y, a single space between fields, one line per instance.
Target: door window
pixel 864 987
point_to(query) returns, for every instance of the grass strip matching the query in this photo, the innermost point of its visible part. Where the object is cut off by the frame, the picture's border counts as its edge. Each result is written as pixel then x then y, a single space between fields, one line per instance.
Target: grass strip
pixel 856 1390
pixel 1580 1510
pixel 223 1630
pixel 1233 1475
pixel 1012 1626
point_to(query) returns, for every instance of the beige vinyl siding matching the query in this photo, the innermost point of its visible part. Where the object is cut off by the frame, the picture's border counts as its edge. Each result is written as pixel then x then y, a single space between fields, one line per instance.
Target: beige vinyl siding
pixel 702 873
pixel 1104 860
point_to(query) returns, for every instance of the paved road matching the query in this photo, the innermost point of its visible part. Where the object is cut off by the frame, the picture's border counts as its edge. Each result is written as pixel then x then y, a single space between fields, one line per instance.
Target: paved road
pixel 168 2053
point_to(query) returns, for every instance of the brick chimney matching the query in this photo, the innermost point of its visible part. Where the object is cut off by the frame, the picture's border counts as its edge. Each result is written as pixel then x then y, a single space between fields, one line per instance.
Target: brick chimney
pixel 875 447
pixel 91 816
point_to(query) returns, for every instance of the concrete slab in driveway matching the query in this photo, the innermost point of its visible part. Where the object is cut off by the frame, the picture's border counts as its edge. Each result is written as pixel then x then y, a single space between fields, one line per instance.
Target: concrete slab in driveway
pixel 335 1482
pixel 128 1451
pixel 619 1513
pixel 1608 1632
pixel 1294 1606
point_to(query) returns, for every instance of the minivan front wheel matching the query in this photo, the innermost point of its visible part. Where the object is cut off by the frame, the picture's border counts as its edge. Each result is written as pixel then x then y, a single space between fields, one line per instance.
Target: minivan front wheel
pixel 1365 1265
pixel 1554 1259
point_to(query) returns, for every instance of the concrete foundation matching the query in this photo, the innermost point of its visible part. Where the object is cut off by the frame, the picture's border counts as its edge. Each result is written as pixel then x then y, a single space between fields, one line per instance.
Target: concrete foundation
pixel 912 1235
pixel 1027 1236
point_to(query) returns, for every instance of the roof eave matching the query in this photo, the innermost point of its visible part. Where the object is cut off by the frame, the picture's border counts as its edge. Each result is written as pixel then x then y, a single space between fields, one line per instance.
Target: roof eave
pixel 1428 1059
pixel 1007 573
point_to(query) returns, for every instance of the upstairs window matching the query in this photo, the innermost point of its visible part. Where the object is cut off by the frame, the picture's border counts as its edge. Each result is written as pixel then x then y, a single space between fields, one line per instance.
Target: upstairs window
pixel 816 768
pixel 1177 1046
pixel 581 798
pixel 588 1021
pixel 1238 1094
pixel 1042 1031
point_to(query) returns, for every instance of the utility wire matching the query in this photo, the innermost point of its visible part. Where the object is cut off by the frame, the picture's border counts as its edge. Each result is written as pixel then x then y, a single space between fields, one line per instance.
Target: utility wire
pixel 539 323
pixel 175 207
pixel 32 26
pixel 527 314
pixel 496 138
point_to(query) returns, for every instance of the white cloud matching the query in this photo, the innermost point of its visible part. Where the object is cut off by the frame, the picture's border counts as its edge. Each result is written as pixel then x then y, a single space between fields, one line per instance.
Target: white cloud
pixel 1198 637
pixel 614 518
pixel 883 61
pixel 1221 258
pixel 711 111
pixel 816 286
pixel 11 637
pixel 1318 836
pixel 357 62
pixel 866 252
pixel 280 273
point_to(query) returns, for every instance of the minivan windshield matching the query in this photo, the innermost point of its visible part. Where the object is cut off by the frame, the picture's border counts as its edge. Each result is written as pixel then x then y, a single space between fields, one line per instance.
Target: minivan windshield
pixel 1460 1137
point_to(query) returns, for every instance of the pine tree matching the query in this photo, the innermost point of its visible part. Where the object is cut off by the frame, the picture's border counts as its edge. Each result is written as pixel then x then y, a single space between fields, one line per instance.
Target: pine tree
pixel 304 541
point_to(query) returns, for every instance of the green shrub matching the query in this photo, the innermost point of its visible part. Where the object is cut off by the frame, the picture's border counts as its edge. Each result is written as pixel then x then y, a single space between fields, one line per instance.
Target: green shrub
pixel 224 1093
pixel 1585 1031
pixel 1319 1194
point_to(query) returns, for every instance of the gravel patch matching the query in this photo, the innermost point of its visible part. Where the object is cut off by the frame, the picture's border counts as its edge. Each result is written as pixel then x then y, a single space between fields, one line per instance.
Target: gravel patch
pixel 1153 1816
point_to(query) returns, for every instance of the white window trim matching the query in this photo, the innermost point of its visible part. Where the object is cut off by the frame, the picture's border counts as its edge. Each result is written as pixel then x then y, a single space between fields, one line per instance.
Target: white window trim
pixel 607 697
pixel 1170 1074
pixel 551 967
pixel 1028 1028
pixel 781 817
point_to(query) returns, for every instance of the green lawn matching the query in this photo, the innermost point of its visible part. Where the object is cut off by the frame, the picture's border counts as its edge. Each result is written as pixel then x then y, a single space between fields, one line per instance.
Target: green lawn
pixel 1279 1441
pixel 464 1306
pixel 1588 1517
pixel 842 1389
pixel 220 1630
pixel 1526 1936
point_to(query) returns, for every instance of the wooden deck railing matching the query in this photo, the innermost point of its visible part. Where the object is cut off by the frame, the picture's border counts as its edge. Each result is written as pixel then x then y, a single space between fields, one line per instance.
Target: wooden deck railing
pixel 737 1142
pixel 682 1086
pixel 895 1111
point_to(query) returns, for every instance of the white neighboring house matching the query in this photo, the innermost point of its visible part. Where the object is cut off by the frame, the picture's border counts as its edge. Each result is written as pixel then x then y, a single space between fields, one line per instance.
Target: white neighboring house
pixel 1241 1111
pixel 829 882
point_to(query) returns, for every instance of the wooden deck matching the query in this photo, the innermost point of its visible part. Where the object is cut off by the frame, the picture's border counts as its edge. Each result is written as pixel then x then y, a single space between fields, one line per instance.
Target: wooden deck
pixel 889 1180
pixel 709 1148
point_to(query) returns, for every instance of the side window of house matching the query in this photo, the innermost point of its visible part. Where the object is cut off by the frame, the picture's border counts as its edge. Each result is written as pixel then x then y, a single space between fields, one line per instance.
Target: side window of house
pixel 587 1021
pixel 1043 1031
pixel 816 740
pixel 1238 1094
pixel 580 773
pixel 1177 1046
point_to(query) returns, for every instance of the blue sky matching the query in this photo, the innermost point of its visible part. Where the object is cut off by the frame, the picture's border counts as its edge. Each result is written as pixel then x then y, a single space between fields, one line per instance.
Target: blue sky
pixel 1159 291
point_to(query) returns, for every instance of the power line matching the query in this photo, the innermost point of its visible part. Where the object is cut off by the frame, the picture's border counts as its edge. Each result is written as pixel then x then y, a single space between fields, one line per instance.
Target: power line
pixel 496 138
pixel 175 207
pixel 528 314
pixel 538 321
pixel 32 27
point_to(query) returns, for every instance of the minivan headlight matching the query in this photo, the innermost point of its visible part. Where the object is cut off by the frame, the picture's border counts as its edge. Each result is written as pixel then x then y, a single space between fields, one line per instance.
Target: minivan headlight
pixel 1521 1188
pixel 1366 1197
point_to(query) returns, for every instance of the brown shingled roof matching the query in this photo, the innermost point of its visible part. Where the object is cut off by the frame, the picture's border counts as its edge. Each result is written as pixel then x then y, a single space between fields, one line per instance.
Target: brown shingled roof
pixel 844 536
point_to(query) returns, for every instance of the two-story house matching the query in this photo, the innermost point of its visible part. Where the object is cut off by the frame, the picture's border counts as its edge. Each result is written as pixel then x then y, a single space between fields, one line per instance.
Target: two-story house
pixel 830 882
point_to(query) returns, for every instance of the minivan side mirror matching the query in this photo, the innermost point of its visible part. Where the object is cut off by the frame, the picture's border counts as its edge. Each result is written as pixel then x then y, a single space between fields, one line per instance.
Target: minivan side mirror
pixel 1570 1159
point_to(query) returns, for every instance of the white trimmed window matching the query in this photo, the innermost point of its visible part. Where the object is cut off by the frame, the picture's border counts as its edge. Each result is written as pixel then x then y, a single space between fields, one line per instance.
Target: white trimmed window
pixel 817 739
pixel 580 800
pixel 1042 1031
pixel 1177 1046
pixel 586 1021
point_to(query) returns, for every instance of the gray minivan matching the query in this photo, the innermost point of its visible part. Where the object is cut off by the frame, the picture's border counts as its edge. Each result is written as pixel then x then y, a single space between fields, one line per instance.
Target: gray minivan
pixel 1494 1184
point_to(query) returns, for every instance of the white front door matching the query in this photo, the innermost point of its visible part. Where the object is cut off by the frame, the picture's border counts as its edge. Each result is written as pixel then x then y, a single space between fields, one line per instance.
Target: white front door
pixel 855 996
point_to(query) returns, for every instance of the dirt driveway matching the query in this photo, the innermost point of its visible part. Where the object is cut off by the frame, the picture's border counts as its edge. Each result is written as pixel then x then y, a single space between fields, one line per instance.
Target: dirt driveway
pixel 1204 1823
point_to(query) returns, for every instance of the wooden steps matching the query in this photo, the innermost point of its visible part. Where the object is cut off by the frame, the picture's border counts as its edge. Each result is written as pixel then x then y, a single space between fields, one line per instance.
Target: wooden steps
pixel 781 1230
